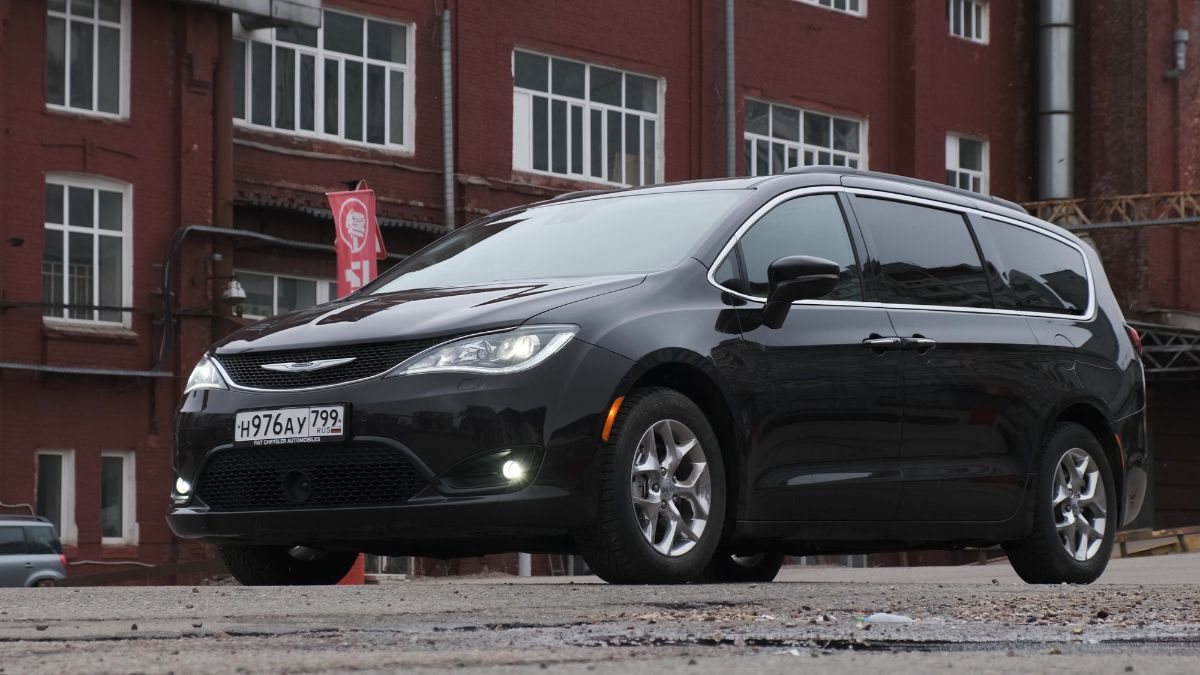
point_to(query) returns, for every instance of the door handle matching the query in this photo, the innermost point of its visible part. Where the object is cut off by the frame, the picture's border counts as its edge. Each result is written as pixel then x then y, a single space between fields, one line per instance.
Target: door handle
pixel 879 344
pixel 29 565
pixel 918 343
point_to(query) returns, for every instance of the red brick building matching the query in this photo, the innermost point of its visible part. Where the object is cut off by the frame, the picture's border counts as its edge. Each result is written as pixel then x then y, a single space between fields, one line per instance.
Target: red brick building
pixel 152 150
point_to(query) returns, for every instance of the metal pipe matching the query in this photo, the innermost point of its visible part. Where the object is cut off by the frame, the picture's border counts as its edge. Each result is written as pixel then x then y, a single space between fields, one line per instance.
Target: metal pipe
pixel 524 565
pixel 731 141
pixel 1056 99
pixel 1181 42
pixel 223 125
pixel 447 123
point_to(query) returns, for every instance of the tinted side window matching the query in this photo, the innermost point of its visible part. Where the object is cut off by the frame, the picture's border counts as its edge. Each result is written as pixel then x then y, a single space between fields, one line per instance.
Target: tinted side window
pixel 43 541
pixel 810 225
pixel 12 541
pixel 1037 272
pixel 926 256
pixel 729 273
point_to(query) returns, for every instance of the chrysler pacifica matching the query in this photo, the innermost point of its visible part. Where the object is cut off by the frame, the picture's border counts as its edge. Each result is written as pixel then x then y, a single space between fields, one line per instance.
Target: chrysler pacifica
pixel 685 382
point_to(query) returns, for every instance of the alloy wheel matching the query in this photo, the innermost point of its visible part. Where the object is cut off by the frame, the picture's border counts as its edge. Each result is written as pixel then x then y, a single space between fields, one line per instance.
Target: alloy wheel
pixel 672 488
pixel 1079 504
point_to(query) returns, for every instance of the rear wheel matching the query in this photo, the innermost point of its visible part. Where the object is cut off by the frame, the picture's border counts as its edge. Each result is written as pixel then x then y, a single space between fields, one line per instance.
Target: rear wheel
pixel 276 566
pixel 742 569
pixel 662 493
pixel 1075 512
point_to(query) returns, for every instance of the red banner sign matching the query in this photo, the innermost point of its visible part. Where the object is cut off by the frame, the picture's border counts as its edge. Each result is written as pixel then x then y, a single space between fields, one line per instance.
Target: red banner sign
pixel 359 243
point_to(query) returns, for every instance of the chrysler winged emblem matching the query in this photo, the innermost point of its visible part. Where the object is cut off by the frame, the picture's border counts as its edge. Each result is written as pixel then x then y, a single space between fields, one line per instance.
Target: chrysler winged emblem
pixel 305 366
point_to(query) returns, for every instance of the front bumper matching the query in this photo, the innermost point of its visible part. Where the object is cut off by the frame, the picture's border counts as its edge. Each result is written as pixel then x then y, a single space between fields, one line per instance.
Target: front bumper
pixel 433 421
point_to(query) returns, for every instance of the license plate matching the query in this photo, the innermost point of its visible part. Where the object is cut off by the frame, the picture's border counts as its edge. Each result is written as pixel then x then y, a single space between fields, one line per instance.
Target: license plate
pixel 311 424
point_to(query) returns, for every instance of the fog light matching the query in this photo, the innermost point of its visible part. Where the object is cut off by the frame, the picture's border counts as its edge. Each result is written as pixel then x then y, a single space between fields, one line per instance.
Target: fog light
pixel 182 487
pixel 502 470
pixel 513 470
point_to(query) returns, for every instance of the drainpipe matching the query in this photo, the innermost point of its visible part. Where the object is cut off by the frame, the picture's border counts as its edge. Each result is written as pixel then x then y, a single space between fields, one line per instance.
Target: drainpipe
pixel 731 143
pixel 447 123
pixel 1056 99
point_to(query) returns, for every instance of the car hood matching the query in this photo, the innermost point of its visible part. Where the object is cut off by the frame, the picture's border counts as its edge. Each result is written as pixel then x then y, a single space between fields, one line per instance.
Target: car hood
pixel 419 313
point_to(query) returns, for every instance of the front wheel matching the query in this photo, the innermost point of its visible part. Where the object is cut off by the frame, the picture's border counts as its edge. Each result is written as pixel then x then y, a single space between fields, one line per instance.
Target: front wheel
pixel 1075 513
pixel 662 493
pixel 276 566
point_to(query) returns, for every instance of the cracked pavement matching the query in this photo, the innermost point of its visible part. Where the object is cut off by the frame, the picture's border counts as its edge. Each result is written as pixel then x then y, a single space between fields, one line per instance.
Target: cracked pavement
pixel 1144 616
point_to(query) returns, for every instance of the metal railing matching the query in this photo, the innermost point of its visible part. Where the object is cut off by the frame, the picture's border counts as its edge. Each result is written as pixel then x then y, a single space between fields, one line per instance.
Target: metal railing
pixel 1160 208
pixel 1169 351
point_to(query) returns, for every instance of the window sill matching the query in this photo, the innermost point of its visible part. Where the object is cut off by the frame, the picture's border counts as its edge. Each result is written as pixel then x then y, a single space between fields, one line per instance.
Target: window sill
pixel 80 113
pixel 114 549
pixel 317 146
pixel 970 40
pixel 69 330
pixel 560 182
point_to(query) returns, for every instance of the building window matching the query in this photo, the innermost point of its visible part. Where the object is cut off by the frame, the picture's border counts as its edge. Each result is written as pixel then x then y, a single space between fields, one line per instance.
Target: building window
pixel 966 163
pixel 118 522
pixel 969 19
pixel 86 264
pixel 349 81
pixel 585 121
pixel 271 294
pixel 87 55
pixel 56 491
pixel 780 137
pixel 858 7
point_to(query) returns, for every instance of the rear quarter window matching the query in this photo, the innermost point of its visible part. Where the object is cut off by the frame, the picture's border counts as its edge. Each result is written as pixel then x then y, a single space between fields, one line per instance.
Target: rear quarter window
pixel 12 540
pixel 1035 272
pixel 43 541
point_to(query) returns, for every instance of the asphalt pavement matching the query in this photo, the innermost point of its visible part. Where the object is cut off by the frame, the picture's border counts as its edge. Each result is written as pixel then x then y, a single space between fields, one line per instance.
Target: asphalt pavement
pixel 1143 616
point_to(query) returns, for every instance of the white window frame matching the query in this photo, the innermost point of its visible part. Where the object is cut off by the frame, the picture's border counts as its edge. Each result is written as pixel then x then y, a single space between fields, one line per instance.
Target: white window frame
pixel 801 147
pixel 125 27
pixel 93 182
pixel 69 533
pixel 523 124
pixel 323 292
pixel 979 10
pixel 320 55
pixel 832 6
pixel 955 170
pixel 129 525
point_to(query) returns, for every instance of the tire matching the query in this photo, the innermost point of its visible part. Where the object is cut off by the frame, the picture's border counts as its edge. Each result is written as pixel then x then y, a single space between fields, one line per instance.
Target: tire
pixel 618 547
pixel 741 569
pixel 275 566
pixel 1042 557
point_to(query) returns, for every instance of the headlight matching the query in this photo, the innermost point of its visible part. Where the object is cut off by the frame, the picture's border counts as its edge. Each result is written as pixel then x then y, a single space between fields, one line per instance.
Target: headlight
pixel 507 352
pixel 205 376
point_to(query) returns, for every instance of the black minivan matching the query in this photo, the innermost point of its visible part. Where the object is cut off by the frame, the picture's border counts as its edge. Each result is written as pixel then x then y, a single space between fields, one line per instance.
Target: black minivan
pixel 685 383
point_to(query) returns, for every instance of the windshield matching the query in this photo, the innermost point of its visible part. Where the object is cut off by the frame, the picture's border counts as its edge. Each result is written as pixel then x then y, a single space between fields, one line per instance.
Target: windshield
pixel 627 234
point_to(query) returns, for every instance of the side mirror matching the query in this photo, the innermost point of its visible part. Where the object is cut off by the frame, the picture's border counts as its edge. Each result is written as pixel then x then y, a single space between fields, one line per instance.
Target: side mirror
pixel 797 277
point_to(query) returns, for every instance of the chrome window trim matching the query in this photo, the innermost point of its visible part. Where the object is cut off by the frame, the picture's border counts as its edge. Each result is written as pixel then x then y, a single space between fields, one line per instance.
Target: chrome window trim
pixel 965 210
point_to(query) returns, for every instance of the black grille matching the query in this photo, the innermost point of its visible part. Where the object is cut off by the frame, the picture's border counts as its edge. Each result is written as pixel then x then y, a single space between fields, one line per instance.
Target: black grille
pixel 301 476
pixel 369 360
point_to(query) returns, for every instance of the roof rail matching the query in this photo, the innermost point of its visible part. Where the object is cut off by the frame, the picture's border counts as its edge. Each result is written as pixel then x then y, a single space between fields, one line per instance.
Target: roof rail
pixel 917 182
pixel 577 194
pixel 21 516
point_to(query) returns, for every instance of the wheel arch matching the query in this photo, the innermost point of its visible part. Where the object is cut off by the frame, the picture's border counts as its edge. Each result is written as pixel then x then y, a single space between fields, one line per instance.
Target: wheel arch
pixel 692 376
pixel 1090 417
